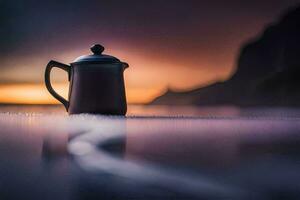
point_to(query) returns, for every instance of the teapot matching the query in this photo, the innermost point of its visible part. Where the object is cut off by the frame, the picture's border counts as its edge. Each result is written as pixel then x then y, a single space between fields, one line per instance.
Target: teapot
pixel 96 84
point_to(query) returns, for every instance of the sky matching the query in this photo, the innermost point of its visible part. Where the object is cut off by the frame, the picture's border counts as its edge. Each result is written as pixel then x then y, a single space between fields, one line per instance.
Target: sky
pixel 178 45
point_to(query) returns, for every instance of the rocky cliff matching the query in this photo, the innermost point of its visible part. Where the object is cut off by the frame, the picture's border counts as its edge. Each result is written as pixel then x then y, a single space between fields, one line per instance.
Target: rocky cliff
pixel 268 72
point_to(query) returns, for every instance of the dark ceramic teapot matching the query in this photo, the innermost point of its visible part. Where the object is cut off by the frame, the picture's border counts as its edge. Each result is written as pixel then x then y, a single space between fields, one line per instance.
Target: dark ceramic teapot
pixel 96 84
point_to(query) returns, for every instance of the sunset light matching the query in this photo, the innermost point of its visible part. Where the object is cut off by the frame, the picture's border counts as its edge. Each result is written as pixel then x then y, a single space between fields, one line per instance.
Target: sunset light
pixel 37 94
pixel 28 94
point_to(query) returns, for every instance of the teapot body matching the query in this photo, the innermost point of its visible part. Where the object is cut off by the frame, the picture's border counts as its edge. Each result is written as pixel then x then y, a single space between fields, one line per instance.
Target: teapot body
pixel 96 84
pixel 97 88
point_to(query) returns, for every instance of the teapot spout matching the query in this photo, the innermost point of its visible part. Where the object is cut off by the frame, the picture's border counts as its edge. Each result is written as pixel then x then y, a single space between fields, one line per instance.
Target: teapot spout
pixel 125 65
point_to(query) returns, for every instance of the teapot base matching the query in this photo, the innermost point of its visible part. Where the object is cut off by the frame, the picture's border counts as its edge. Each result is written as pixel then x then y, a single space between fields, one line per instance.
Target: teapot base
pixel 107 112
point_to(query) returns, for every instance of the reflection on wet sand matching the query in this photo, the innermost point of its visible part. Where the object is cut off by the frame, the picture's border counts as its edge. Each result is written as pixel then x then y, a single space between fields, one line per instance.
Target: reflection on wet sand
pixel 26 141
pixel 212 143
pixel 31 135
pixel 192 142
pixel 218 155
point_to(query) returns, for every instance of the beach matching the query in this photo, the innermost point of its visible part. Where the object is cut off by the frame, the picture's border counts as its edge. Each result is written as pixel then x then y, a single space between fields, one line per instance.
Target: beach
pixel 213 154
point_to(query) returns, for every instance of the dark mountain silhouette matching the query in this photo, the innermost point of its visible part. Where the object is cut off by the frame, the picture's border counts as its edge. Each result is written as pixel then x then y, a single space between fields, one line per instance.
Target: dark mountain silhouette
pixel 268 72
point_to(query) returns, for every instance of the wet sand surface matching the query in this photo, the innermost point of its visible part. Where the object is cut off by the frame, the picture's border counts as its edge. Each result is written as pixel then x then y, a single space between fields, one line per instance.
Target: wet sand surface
pixel 153 153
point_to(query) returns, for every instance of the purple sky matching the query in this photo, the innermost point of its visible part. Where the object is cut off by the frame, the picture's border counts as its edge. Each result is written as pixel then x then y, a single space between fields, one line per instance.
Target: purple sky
pixel 179 44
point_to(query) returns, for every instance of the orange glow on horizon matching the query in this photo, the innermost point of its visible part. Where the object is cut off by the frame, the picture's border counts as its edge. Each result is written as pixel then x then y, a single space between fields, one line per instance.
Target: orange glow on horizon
pixel 147 77
pixel 38 94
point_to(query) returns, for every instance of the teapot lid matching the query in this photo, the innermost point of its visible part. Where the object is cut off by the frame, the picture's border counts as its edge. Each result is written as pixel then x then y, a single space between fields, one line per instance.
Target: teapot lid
pixel 96 57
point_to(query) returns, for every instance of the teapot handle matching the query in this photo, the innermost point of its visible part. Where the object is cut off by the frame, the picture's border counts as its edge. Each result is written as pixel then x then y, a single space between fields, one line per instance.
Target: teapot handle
pixel 49 67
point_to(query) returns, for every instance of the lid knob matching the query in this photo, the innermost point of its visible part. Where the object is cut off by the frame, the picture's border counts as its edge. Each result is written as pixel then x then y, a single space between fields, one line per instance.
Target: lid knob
pixel 97 49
